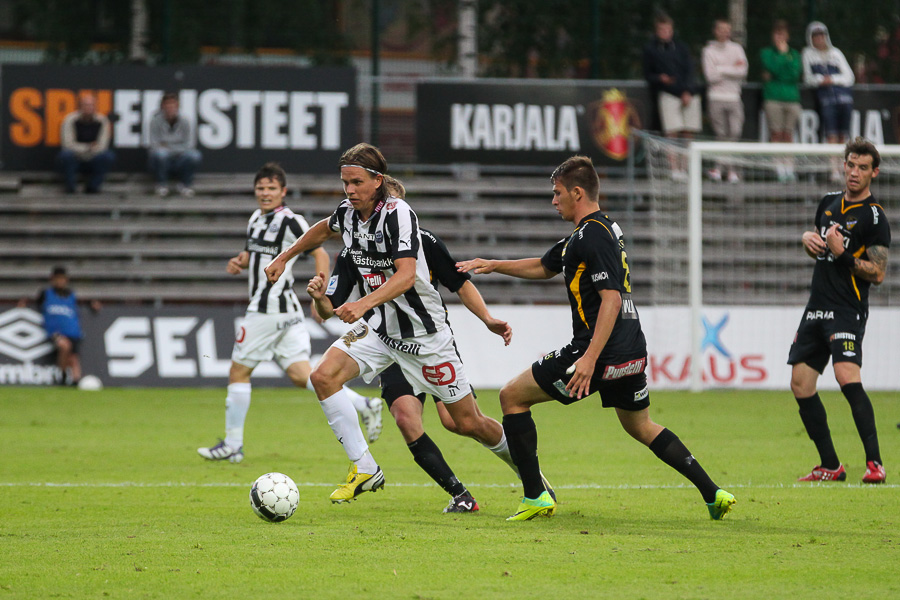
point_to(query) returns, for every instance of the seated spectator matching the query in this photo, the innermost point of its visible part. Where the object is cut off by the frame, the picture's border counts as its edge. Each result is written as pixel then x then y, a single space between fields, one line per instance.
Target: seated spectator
pixel 84 137
pixel 59 306
pixel 172 152
pixel 725 68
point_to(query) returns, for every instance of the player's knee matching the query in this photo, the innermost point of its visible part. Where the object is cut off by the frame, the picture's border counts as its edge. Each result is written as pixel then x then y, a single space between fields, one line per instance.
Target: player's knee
pixel 64 344
pixel 509 400
pixel 323 381
pixel 802 388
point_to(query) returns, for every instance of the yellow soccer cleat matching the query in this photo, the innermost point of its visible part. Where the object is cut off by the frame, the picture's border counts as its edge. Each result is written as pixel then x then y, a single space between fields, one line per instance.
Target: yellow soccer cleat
pixel 721 505
pixel 543 506
pixel 357 483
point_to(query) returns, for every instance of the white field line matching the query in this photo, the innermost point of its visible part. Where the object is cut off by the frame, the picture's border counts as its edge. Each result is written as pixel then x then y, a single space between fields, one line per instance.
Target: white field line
pixel 586 486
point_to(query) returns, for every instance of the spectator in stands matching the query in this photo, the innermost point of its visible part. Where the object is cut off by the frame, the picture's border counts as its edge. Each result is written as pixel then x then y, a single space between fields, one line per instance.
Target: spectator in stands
pixel 172 151
pixel 826 69
pixel 669 71
pixel 84 138
pixel 725 68
pixel 59 307
pixel 782 68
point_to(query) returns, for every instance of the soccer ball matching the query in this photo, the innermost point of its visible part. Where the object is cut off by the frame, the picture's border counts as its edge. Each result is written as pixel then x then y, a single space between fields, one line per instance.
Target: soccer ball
pixel 90 383
pixel 274 497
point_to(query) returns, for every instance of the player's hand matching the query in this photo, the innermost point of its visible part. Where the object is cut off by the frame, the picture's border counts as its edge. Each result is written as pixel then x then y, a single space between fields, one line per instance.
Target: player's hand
pixel 479 266
pixel 686 98
pixel 814 243
pixel 579 385
pixel 666 79
pixel 351 312
pixel 234 266
pixel 275 269
pixel 835 240
pixel 316 287
pixel 501 328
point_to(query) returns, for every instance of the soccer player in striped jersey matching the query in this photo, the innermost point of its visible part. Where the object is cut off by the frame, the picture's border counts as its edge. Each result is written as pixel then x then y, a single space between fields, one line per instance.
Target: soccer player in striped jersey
pixel 273 326
pixel 400 319
pixel 607 354
pixel 404 404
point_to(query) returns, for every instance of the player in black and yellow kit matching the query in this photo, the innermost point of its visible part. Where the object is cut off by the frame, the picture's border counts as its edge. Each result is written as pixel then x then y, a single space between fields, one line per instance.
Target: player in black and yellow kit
pixel 607 354
pixel 850 245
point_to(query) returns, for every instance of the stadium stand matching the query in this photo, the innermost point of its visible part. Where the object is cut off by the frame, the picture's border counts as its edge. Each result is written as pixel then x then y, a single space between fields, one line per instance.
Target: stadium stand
pixel 127 245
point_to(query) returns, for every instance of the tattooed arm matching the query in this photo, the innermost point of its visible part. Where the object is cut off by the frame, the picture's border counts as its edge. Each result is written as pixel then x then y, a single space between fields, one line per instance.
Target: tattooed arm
pixel 873 269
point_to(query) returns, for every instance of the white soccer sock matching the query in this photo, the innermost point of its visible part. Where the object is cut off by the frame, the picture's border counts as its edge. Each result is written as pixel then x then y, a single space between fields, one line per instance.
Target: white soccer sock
pixel 502 452
pixel 358 400
pixel 237 403
pixel 345 424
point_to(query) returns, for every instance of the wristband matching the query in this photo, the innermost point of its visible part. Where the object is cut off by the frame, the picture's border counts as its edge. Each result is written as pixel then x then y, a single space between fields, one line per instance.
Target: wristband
pixel 845 260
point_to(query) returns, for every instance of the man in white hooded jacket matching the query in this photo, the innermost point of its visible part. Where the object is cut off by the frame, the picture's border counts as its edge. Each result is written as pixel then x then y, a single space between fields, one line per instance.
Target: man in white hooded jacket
pixel 826 69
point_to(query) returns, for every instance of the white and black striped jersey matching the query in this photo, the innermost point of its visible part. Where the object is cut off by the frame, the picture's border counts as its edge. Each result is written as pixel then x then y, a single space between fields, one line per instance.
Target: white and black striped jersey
pixel 391 232
pixel 268 235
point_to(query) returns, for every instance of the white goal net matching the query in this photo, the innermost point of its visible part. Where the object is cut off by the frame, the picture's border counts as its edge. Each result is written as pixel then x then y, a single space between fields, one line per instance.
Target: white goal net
pixel 726 221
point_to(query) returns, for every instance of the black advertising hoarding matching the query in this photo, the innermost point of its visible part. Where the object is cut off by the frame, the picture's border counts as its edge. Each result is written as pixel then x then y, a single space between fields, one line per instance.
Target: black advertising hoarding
pixel 141 346
pixel 527 122
pixel 242 116
pixel 543 122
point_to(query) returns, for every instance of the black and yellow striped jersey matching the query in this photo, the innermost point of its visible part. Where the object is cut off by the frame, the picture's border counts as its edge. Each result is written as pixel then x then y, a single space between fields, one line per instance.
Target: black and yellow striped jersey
pixel 593 258
pixel 863 225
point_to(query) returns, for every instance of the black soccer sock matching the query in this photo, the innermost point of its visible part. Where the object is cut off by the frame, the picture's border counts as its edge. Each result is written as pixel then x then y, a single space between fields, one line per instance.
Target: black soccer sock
pixel 521 435
pixel 428 456
pixel 814 418
pixel 864 417
pixel 669 449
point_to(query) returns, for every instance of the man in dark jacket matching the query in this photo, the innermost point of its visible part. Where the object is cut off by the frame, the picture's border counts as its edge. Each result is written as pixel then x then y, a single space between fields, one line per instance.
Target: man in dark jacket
pixel 669 71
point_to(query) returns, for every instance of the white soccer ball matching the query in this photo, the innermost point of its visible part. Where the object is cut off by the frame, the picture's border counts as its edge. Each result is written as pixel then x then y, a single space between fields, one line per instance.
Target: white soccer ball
pixel 90 383
pixel 274 497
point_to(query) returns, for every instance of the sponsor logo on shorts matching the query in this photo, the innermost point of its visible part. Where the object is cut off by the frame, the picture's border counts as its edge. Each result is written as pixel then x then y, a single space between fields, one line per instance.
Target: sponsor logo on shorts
pixel 560 385
pixel 643 394
pixel 849 354
pixel 355 334
pixel 442 374
pixel 632 367
pixel 603 276
pixel 400 346
pixel 812 315
pixel 842 336
pixel 289 323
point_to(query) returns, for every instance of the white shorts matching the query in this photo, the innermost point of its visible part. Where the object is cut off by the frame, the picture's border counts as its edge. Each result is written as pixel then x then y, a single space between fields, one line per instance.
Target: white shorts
pixel 263 337
pixel 429 362
pixel 675 116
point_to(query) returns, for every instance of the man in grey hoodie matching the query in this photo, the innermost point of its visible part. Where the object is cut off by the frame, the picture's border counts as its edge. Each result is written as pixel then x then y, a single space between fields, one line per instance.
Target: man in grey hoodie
pixel 826 70
pixel 172 151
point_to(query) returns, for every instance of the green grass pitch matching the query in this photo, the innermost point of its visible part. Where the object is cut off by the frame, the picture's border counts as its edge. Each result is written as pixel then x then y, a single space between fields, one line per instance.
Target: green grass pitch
pixel 104 496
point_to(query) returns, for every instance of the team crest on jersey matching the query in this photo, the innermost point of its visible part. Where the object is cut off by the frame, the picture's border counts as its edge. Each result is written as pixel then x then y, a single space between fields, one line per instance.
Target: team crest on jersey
pixel 273 227
pixel 851 224
pixel 379 237
pixel 355 334
pixel 391 205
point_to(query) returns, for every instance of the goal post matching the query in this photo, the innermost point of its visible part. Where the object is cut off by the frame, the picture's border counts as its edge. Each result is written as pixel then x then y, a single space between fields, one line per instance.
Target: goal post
pixel 740 238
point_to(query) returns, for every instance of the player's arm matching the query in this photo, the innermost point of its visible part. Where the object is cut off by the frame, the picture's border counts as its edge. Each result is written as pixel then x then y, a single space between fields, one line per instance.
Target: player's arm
pixel 320 302
pixel 471 299
pixel 314 237
pixel 610 305
pixel 523 268
pixel 403 278
pixel 238 263
pixel 323 265
pixel 872 270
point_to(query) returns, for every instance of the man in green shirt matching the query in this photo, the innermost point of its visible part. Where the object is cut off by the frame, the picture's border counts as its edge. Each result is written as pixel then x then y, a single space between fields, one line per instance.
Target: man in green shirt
pixel 782 69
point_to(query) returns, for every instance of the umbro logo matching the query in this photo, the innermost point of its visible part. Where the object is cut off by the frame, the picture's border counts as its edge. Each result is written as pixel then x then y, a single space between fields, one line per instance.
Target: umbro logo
pixel 22 335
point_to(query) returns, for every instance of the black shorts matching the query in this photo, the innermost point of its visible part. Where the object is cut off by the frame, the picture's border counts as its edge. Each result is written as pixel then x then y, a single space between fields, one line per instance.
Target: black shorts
pixel 825 334
pixel 76 342
pixel 620 384
pixel 394 384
